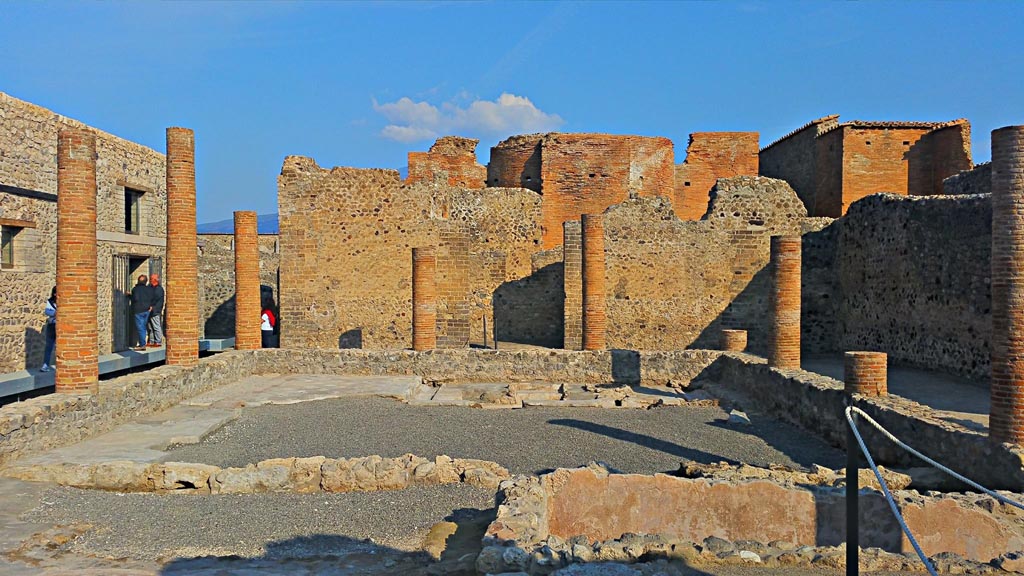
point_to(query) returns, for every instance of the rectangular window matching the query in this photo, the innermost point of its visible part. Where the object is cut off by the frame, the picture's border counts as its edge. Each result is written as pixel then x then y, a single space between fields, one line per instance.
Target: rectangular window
pixel 7 234
pixel 132 211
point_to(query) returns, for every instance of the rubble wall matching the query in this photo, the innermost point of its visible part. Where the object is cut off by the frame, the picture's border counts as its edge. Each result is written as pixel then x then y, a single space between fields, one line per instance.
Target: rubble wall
pixel 217 280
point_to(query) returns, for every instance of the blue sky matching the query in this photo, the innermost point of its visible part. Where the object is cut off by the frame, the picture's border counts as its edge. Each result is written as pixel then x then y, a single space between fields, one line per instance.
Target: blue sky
pixel 361 84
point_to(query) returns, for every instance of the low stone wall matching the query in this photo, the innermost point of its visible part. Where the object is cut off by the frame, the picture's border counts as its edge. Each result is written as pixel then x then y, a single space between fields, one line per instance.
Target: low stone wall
pixel 587 514
pixel 817 403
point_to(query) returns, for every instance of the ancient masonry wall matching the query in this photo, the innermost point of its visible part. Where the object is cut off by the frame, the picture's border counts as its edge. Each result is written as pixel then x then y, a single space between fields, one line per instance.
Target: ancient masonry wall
pixel 181 280
pixel 977 180
pixel 346 236
pixel 247 282
pixel 883 160
pixel 675 284
pixel 572 286
pixel 710 156
pixel 909 276
pixel 451 161
pixel 793 158
pixel 28 190
pixel 515 163
pixel 217 280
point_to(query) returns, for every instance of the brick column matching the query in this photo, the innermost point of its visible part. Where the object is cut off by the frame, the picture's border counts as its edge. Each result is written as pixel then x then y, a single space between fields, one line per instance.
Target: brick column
pixel 593 282
pixel 247 282
pixel 734 340
pixel 77 326
pixel 865 373
pixel 181 284
pixel 572 285
pixel 1006 415
pixel 424 298
pixel 784 344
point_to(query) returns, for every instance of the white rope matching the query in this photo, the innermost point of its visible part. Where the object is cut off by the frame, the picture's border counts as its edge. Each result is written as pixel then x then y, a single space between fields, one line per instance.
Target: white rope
pixel 853 410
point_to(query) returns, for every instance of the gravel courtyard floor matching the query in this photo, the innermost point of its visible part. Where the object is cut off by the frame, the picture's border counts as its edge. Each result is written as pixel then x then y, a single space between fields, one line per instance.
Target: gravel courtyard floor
pixel 528 440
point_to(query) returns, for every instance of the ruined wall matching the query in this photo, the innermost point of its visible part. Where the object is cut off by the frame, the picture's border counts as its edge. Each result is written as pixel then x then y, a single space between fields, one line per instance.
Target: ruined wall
pixel 451 161
pixel 346 238
pixel 793 158
pixel 975 181
pixel 515 163
pixel 710 156
pixel 217 280
pixel 946 151
pixel 883 160
pixel 828 175
pixel 674 284
pixel 28 186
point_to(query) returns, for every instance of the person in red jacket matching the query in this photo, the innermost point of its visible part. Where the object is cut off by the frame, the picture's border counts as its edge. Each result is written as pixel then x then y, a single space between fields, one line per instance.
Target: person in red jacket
pixel 268 323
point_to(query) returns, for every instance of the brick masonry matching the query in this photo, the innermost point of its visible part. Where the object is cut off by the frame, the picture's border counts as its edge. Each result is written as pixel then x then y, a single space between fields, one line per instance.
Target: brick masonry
pixel 593 281
pixel 451 161
pixel 424 298
pixel 247 282
pixel 784 346
pixel 453 285
pixel 181 286
pixel 77 350
pixel 734 340
pixel 1006 420
pixel 28 138
pixel 572 286
pixel 866 373
pixel 217 280
pixel 710 156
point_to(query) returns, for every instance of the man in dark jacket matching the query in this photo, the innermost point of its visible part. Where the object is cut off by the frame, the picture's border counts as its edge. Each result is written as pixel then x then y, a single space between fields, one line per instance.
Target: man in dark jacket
pixel 156 312
pixel 142 299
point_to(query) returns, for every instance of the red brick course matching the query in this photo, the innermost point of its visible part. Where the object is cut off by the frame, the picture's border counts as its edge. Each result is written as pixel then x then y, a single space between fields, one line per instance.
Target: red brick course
pixel 572 286
pixel 734 340
pixel 594 329
pixel 1006 418
pixel 247 282
pixel 784 345
pixel 182 336
pixel 710 156
pixel 866 373
pixel 424 298
pixel 77 340
pixel 451 160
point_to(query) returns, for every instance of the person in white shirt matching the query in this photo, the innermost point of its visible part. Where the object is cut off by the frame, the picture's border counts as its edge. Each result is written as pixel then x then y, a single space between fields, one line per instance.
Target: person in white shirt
pixel 51 330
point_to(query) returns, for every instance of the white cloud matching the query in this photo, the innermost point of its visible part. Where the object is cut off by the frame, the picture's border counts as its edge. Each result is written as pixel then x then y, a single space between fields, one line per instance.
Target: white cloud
pixel 509 114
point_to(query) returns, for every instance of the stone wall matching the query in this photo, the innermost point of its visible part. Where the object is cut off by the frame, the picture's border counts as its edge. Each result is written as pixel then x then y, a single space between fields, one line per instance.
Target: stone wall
pixel 451 161
pixel 710 156
pixel 793 158
pixel 909 276
pixel 977 180
pixel 28 187
pixel 674 284
pixel 217 280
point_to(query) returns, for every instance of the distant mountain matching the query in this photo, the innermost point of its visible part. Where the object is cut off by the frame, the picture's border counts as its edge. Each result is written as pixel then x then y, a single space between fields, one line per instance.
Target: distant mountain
pixel 265 224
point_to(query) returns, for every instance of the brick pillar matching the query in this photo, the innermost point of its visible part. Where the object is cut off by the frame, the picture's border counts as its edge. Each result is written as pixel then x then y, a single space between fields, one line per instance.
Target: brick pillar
pixel 247 282
pixel 784 345
pixel 77 326
pixel 1006 415
pixel 734 340
pixel 424 298
pixel 593 275
pixel 572 285
pixel 181 286
pixel 452 286
pixel 865 373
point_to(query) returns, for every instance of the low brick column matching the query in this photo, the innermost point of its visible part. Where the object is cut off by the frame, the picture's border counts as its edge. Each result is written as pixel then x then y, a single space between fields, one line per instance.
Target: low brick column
pixel 424 298
pixel 866 373
pixel 1006 414
pixel 593 276
pixel 247 282
pixel 734 340
pixel 784 344
pixel 181 286
pixel 77 325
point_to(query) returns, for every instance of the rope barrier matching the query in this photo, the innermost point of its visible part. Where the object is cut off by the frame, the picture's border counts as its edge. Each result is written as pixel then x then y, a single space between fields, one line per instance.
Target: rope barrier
pixel 852 411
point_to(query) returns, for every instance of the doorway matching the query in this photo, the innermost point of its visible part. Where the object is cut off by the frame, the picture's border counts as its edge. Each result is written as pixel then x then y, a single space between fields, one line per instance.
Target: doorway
pixel 126 269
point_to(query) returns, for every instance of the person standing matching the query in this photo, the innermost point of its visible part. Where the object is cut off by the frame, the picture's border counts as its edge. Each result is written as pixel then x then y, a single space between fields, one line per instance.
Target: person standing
pixel 156 314
pixel 141 306
pixel 51 331
pixel 268 323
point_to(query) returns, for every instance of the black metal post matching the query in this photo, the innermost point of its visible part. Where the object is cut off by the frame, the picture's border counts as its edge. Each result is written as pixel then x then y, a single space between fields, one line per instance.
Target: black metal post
pixel 853 460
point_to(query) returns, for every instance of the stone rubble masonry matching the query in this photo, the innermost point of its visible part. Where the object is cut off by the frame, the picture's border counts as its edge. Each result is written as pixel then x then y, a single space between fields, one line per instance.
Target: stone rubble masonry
pixel 785 336
pixel 816 403
pixel 1007 405
pixel 865 373
pixel 424 298
pixel 247 282
pixel 182 283
pixel 572 285
pixel 710 156
pixel 734 340
pixel 593 282
pixel 450 161
pixel 977 180
pixel 77 347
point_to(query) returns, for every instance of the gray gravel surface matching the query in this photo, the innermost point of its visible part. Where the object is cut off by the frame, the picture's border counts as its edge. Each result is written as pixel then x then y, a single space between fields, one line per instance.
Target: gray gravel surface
pixel 529 440
pixel 152 526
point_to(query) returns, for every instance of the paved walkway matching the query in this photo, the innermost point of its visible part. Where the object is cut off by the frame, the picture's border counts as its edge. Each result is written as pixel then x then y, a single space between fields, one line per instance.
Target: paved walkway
pixel 957 399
